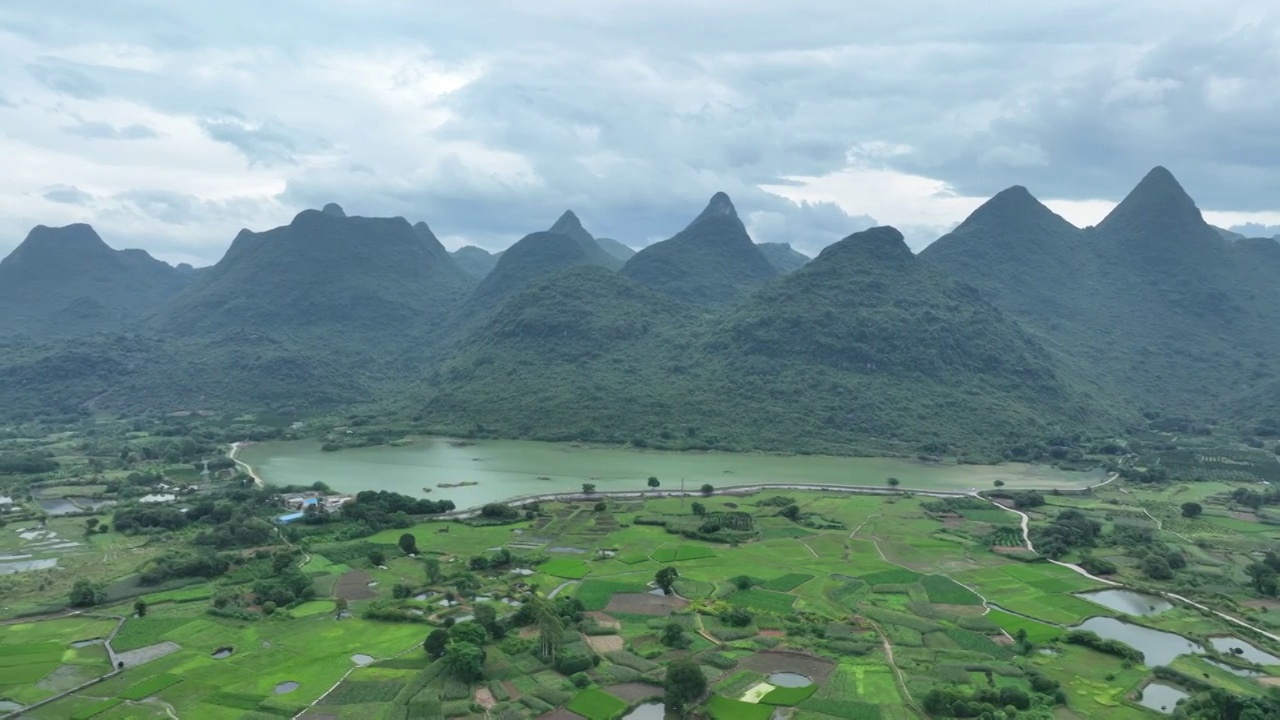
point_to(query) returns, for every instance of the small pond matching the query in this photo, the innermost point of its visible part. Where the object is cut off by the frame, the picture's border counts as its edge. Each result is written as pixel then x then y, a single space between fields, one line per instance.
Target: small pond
pixel 1158 648
pixel 9 705
pixel 86 643
pixel 57 506
pixel 286 687
pixel 362 659
pixel 647 711
pixel 1128 602
pixel 89 503
pixel 1162 698
pixel 10 568
pixel 1250 652
pixel 789 680
pixel 1239 671
pixel 222 653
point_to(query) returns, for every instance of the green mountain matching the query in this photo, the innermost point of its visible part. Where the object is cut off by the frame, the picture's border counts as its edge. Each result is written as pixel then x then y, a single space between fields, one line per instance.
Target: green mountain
pixel 710 262
pixel 1152 303
pixel 534 257
pixel 615 248
pixel 66 282
pixel 569 226
pixel 474 261
pixel 783 257
pixel 866 346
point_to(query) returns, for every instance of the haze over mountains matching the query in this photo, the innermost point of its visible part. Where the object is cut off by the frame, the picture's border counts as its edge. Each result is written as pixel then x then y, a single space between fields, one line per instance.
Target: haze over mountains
pixel 1017 328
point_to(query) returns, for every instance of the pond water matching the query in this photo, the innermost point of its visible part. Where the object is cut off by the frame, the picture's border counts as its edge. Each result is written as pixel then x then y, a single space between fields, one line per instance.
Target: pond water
pixel 1158 647
pixel 58 506
pixel 286 687
pixel 1252 653
pixel 222 653
pixel 361 659
pixel 86 643
pixel 9 705
pixel 1242 672
pixel 1128 602
pixel 647 711
pixel 503 469
pixel 789 680
pixel 1161 697
pixel 9 568
pixel 89 503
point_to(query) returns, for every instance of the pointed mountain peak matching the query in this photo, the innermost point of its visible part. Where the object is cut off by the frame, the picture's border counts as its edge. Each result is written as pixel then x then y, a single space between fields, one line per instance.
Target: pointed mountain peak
pixel 569 226
pixel 424 231
pixel 720 205
pixel 1013 207
pixel 333 209
pixel 1157 198
pixel 882 245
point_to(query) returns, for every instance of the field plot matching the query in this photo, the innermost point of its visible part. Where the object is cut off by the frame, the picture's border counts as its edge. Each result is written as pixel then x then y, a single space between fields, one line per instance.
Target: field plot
pixel 1039 590
pixel 763 600
pixel 567 568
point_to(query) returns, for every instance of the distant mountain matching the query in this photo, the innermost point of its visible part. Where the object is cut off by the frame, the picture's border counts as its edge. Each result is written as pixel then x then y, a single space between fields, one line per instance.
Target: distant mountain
pixel 569 226
pixel 782 257
pixel 474 261
pixel 65 282
pixel 710 262
pixel 1152 303
pixel 1227 235
pixel 533 258
pixel 615 248
pixel 866 344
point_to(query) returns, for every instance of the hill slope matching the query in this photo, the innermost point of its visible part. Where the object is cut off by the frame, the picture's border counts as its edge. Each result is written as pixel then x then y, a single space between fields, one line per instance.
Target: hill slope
pixel 64 282
pixel 710 262
pixel 783 257
pixel 569 226
pixel 474 261
pixel 533 258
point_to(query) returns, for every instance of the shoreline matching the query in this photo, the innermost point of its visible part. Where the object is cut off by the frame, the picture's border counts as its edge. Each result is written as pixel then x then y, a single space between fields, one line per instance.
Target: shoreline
pixel 235 450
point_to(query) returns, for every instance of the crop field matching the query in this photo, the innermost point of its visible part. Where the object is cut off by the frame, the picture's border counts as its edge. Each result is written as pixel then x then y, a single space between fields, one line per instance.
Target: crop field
pixel 822 602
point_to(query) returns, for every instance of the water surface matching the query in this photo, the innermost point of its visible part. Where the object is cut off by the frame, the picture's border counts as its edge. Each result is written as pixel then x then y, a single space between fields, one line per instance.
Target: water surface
pixel 1128 601
pixel 1252 652
pixel 1158 647
pixel 503 469
pixel 647 711
pixel 1161 697
pixel 286 687
pixel 789 680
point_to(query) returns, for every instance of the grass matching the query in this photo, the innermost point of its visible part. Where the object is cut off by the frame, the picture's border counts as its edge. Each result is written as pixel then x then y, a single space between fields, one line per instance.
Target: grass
pixel 897 576
pixel 1036 631
pixel 762 600
pixel 682 552
pixel 595 593
pixel 722 708
pixel 150 687
pixel 788 696
pixel 566 568
pixel 596 705
pixel 787 582
pixel 945 591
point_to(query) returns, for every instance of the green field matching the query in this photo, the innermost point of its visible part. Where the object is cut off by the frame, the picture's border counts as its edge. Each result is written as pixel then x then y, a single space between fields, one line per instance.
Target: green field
pixel 597 705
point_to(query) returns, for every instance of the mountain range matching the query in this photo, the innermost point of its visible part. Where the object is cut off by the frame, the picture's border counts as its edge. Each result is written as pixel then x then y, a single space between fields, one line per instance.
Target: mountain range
pixel 1015 329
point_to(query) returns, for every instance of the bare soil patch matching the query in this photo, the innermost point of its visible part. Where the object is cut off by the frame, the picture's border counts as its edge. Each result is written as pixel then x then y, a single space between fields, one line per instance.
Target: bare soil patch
pixel 1001 639
pixel 634 691
pixel 604 643
pixel 1246 516
pixel 561 714
pixel 354 585
pixel 527 632
pixel 772 633
pixel 604 620
pixel 133 658
pixel 771 661
pixel 1267 603
pixel 485 699
pixel 645 604
pixel 1005 549
pixel 512 690
pixel 1271 681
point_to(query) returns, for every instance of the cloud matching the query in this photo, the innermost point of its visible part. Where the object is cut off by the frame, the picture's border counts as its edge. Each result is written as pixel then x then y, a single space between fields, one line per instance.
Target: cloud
pixel 64 79
pixel 107 131
pixel 68 194
pixel 488 121
pixel 1254 230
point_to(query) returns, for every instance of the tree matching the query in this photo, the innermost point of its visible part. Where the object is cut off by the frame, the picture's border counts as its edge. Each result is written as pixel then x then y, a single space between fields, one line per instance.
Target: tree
pixel 673 636
pixel 90 524
pixel 140 607
pixel 601 507
pixel 469 631
pixel 998 483
pixel 698 508
pixel 588 488
pixel 339 606
pixel 465 660
pixel 269 607
pixel 409 544
pixel 550 627
pixel 487 617
pixel 893 482
pixel 400 591
pixel 431 567
pixel 708 488
pixel 1157 568
pixel 435 643
pixel 466 585
pixel 83 594
pixel 653 482
pixel 479 562
pixel 736 617
pixel 376 557
pixel 685 685
pixel 1191 509
pixel 1265 580
pixel 666 578
pixel 790 512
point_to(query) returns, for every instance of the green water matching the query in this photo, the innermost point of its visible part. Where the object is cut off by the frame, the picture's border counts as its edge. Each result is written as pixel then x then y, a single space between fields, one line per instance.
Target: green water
pixel 507 468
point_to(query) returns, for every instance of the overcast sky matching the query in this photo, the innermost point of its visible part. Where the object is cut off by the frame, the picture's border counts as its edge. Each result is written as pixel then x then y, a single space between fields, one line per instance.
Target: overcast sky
pixel 171 125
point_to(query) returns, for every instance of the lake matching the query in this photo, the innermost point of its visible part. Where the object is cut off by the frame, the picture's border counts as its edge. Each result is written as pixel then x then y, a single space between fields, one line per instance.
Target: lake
pixel 504 469
pixel 1128 602
pixel 1158 647
pixel 1162 697
pixel 1248 651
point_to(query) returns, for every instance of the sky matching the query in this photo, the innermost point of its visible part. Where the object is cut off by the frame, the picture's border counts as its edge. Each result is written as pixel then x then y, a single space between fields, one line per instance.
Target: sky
pixel 171 126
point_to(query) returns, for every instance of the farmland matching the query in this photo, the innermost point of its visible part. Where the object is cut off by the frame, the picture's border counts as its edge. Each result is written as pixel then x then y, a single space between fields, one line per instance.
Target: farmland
pixel 885 605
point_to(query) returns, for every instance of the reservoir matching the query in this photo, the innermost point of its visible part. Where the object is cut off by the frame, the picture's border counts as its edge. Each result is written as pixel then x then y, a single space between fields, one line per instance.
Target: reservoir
pixel 503 469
